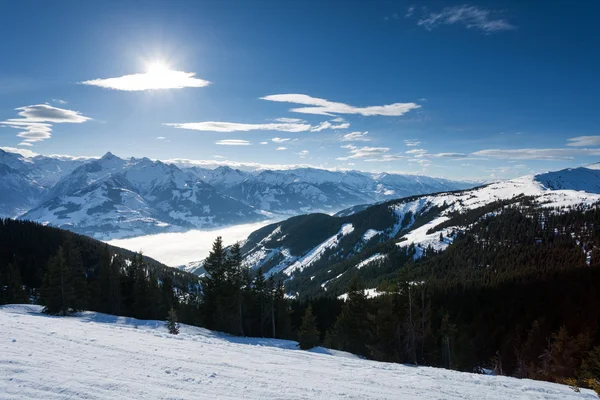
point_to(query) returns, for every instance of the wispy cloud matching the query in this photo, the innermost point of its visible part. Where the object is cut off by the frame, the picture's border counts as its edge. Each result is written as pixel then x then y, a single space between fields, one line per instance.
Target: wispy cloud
pixel 290 120
pixel 583 141
pixel 412 143
pixel 449 155
pixel 212 126
pixel 59 101
pixel 356 137
pixel 36 121
pixel 326 107
pixel 303 153
pixel 279 140
pixel 328 125
pixel 537 154
pixel 233 142
pixel 281 148
pixel 183 162
pixel 264 142
pixel 364 152
pixel 416 152
pixel 151 80
pixel 468 16
pixel 297 125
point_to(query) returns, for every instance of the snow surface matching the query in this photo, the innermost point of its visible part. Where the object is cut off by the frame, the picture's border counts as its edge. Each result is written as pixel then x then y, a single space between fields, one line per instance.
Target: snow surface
pixel 99 356
pixel 375 258
pixel 370 234
pixel 315 254
pixel 370 293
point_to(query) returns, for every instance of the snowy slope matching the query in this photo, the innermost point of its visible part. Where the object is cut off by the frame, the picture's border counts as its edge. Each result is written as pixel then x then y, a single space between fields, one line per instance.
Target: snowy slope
pixel 406 222
pixel 98 356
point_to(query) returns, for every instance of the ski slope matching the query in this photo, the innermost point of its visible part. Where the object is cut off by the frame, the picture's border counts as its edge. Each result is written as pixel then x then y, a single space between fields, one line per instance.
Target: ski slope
pixel 99 356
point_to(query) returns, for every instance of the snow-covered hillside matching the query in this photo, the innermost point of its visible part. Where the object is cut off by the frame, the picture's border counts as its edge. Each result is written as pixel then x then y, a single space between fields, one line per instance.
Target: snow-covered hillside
pixel 293 245
pixel 98 356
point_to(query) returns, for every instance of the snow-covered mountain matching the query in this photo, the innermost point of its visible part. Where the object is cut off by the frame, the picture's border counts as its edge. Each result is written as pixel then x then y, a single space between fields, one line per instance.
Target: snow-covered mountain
pixel 582 178
pixel 304 190
pixel 114 198
pixel 359 237
pixel 125 358
pixel 18 192
pixel 44 170
pixel 111 197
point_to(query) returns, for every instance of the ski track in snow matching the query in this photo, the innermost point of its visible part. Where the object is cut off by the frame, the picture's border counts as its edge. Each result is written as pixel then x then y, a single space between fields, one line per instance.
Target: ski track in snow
pixel 99 356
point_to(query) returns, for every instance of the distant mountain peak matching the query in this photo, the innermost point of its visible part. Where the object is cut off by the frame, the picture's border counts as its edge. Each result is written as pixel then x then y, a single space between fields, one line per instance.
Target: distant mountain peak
pixel 108 156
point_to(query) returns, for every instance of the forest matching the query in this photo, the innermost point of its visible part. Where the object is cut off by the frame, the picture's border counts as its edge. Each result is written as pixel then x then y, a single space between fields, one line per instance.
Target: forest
pixel 515 294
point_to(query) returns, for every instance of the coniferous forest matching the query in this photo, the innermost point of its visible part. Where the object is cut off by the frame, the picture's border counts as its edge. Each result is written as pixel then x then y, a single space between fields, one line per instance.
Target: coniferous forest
pixel 515 294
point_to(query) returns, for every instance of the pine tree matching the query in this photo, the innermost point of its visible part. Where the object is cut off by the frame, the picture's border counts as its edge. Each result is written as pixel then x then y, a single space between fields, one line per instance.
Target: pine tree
pixel 11 290
pixel 447 332
pixel 352 330
pixel 308 335
pixel 172 324
pixel 282 313
pixel 236 275
pixel 259 288
pixel 58 294
pixel 109 282
pixel 78 276
pixel 214 287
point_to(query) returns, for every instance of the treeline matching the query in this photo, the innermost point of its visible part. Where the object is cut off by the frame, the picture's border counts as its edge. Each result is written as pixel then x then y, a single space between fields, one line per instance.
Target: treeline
pixel 66 273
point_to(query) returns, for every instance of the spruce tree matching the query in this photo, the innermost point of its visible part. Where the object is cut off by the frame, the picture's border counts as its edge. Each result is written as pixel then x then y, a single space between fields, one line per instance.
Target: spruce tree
pixel 308 334
pixel 282 312
pixel 352 330
pixel 78 277
pixel 58 295
pixel 11 290
pixel 235 283
pixel 214 287
pixel 172 324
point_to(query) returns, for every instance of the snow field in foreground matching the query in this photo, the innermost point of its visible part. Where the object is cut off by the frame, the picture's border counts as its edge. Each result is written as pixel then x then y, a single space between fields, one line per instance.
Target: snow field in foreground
pixel 99 356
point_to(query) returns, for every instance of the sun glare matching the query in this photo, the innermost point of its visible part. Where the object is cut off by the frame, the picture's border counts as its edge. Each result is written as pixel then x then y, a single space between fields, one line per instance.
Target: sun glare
pixel 157 67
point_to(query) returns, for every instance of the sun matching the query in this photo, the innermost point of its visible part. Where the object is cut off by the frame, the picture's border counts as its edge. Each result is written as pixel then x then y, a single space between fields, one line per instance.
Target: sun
pixel 157 68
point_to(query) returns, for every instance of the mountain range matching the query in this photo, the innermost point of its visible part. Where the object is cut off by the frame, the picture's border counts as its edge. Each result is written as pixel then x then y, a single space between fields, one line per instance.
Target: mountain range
pixel 317 251
pixel 112 197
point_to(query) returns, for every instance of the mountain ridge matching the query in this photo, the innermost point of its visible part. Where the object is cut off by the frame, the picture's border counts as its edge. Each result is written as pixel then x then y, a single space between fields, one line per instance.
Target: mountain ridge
pixel 173 199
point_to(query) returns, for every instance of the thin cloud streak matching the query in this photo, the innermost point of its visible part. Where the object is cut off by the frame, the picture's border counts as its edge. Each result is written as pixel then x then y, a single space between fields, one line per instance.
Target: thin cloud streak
pixel 330 108
pixel 233 142
pixel 470 17
pixel 583 141
pixel 213 126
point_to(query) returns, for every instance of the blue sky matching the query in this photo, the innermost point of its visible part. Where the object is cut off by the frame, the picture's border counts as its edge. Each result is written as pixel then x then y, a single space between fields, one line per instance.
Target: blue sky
pixel 461 90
